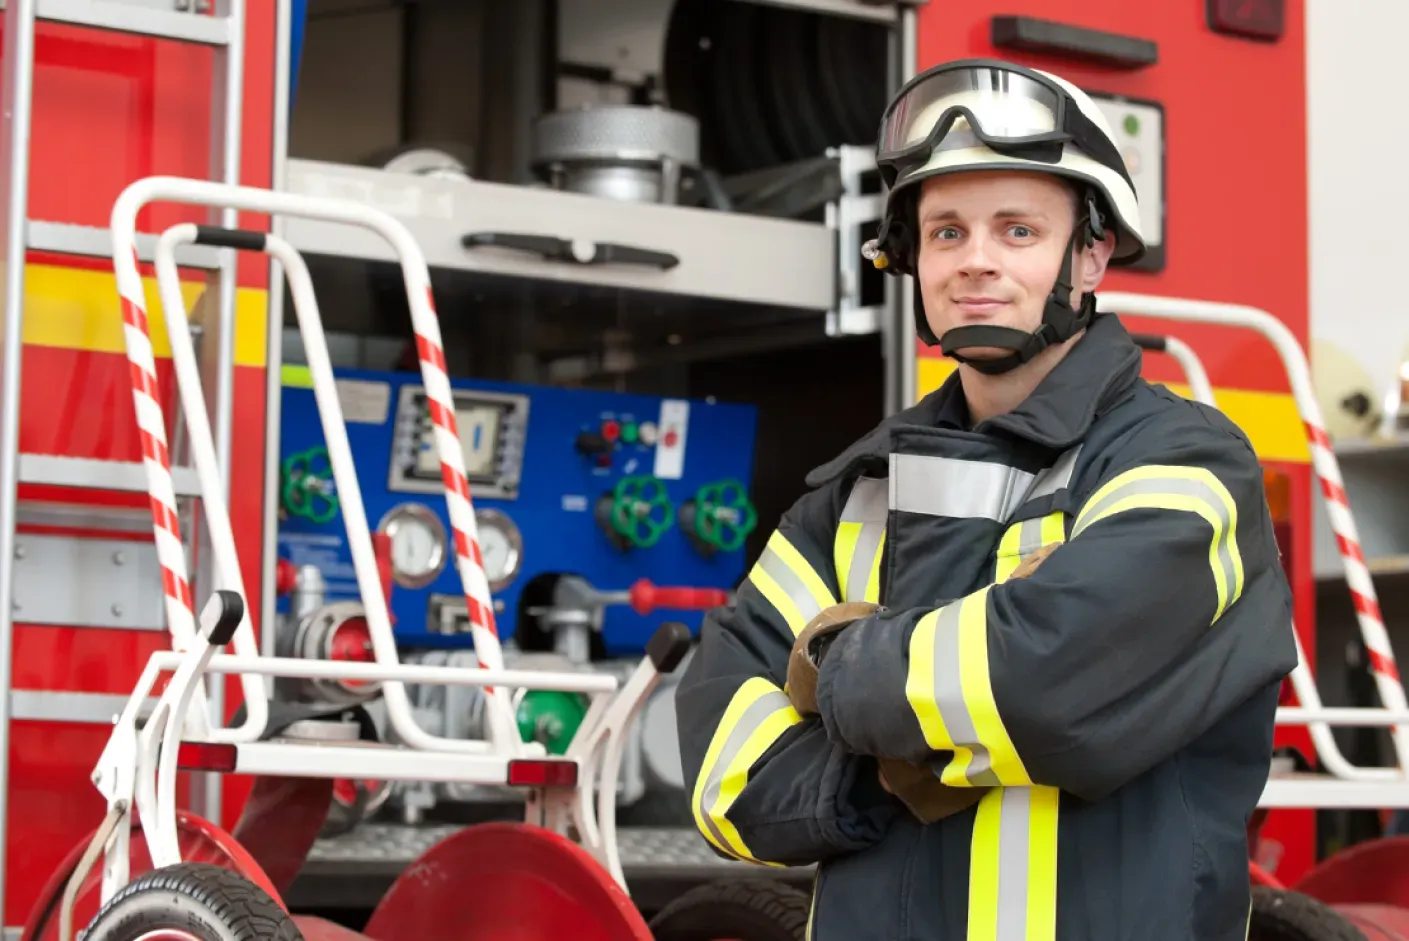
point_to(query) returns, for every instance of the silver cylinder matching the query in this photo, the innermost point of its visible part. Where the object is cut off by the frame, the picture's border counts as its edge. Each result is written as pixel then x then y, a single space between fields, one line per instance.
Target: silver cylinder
pixel 623 152
pixel 309 592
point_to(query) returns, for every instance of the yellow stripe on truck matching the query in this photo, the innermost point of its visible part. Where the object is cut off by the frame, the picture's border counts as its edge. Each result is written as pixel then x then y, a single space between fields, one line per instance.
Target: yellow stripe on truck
pixel 78 309
pixel 1269 419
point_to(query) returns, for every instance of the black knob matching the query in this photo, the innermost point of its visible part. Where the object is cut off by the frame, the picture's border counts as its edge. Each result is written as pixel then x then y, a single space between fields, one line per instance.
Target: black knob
pixel 1357 404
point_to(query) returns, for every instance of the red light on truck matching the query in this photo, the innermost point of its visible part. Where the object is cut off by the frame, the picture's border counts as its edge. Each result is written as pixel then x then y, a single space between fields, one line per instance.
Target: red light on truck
pixel 540 772
pixel 206 756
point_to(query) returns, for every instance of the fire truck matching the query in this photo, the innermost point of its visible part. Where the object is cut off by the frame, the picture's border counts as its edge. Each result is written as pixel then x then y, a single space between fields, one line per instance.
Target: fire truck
pixel 733 139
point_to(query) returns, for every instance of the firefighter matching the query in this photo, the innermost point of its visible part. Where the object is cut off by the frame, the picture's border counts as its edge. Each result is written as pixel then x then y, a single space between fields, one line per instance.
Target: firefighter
pixel 1008 670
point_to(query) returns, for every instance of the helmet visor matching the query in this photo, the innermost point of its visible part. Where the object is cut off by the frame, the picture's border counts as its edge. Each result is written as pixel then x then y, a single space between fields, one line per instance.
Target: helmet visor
pixel 970 106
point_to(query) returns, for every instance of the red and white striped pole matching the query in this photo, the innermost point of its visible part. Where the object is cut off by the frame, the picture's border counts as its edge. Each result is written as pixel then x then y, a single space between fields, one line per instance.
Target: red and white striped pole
pixel 151 429
pixel 1357 573
pixel 468 559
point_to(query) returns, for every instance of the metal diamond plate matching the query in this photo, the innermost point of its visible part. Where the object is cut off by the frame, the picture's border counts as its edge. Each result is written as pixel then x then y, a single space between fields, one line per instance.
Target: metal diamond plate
pixel 641 847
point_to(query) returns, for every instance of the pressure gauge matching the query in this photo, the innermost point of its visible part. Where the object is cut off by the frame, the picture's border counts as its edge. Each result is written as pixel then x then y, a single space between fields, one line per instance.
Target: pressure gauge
pixel 501 546
pixel 418 544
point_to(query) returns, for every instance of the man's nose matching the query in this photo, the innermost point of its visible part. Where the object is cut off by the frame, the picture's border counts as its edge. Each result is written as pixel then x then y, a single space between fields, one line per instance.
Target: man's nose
pixel 978 258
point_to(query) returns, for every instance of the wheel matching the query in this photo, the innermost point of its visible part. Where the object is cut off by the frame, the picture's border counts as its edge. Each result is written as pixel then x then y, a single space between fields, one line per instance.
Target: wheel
pixel 746 910
pixel 192 902
pixel 1292 916
pixel 199 841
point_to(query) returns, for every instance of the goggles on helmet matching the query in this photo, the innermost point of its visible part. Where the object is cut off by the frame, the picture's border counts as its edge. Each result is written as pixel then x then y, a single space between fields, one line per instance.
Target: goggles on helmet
pixel 980 103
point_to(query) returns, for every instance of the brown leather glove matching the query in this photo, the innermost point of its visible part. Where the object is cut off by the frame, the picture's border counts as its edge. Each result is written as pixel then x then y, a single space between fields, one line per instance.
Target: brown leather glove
pixel 920 789
pixel 811 646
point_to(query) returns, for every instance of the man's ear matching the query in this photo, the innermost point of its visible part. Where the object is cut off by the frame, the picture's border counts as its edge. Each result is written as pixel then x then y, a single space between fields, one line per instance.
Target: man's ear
pixel 1094 262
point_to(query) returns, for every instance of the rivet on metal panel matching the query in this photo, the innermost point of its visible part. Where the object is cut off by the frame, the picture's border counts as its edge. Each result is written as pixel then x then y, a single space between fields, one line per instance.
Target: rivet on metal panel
pixel 119 557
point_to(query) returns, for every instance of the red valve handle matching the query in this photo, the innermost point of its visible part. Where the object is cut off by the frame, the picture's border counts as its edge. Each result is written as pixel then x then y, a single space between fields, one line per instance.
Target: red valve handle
pixel 381 545
pixel 285 577
pixel 646 597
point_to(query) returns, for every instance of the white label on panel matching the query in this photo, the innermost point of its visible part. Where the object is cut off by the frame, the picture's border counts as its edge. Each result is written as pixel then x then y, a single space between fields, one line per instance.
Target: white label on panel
pixel 670 448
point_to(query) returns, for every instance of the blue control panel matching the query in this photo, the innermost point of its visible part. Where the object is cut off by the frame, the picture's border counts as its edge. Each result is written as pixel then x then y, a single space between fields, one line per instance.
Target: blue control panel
pixel 609 487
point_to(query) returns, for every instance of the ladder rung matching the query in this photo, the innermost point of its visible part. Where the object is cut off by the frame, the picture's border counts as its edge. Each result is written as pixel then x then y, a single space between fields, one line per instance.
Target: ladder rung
pixel 94 242
pixel 138 20
pixel 88 474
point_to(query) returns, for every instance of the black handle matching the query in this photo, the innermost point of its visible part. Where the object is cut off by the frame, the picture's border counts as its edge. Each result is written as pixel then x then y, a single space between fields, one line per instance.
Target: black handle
pixel 226 608
pixel 577 251
pixel 668 646
pixel 221 237
pixel 1149 341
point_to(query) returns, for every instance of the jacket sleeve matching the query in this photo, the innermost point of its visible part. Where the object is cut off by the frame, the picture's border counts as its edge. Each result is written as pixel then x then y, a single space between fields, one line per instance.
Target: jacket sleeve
pixel 767 785
pixel 1165 610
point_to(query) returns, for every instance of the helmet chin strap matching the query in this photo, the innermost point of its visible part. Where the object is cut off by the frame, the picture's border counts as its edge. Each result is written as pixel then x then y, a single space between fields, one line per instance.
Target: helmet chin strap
pixel 1060 322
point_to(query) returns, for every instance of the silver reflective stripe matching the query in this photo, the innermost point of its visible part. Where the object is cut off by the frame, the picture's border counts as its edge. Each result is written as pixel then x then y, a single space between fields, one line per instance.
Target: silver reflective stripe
pixel 787 580
pixel 753 717
pixel 1014 829
pixel 1057 477
pixel 949 697
pixel 950 487
pixel 868 504
pixel 1185 487
pixel 1029 537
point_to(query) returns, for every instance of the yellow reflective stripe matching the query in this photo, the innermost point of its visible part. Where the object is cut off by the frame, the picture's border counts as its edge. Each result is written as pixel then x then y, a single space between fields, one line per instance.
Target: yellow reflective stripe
pixel 1009 556
pixel 873 579
pixel 949 691
pixel 1022 539
pixel 1013 866
pixel 843 550
pixel 756 716
pixel 1182 489
pixel 789 583
pixel 856 548
pixel 812 904
pixel 978 691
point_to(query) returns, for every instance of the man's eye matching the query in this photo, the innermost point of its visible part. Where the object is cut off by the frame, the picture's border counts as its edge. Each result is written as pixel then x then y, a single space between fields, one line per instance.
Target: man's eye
pixel 1020 231
pixel 945 232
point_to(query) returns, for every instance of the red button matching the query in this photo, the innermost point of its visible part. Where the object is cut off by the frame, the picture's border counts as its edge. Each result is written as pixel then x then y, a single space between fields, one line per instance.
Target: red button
pixel 611 430
pixel 670 438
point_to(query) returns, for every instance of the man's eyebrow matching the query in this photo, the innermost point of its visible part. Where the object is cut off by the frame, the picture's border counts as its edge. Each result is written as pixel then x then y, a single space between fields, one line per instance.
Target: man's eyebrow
pixel 1020 214
pixel 950 215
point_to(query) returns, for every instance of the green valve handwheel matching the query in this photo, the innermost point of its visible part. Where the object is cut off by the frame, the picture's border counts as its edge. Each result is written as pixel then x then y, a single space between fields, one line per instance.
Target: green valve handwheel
pixel 724 516
pixel 308 485
pixel 641 510
pixel 551 717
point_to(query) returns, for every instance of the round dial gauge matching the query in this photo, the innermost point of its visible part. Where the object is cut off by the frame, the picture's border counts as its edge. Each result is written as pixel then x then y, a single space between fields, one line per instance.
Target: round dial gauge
pixel 501 546
pixel 418 544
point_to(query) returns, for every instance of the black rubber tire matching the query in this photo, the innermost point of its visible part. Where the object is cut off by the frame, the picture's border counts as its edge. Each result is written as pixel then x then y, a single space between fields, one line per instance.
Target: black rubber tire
pixel 742 910
pixel 209 902
pixel 1292 916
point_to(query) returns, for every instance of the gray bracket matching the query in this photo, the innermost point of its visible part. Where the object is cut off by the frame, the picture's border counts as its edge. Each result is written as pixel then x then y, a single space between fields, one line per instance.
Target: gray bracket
pixel 71 582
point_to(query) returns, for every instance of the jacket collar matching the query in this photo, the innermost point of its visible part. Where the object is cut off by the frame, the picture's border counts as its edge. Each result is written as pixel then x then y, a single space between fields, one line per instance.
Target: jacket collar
pixel 1097 373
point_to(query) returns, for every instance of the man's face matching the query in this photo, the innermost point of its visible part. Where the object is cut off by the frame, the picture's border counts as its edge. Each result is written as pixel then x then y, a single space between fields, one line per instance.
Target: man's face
pixel 991 247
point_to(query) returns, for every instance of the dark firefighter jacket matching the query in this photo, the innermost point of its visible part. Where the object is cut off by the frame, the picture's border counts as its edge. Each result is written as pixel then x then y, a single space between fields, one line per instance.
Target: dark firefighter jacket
pixel 1118 704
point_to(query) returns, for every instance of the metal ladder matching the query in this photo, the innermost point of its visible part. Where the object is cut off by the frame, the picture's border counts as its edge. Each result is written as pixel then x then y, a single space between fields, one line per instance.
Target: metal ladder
pixel 220 25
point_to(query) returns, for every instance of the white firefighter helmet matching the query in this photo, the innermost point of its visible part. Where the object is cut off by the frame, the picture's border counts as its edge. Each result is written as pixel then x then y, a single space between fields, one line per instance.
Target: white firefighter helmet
pixel 984 115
